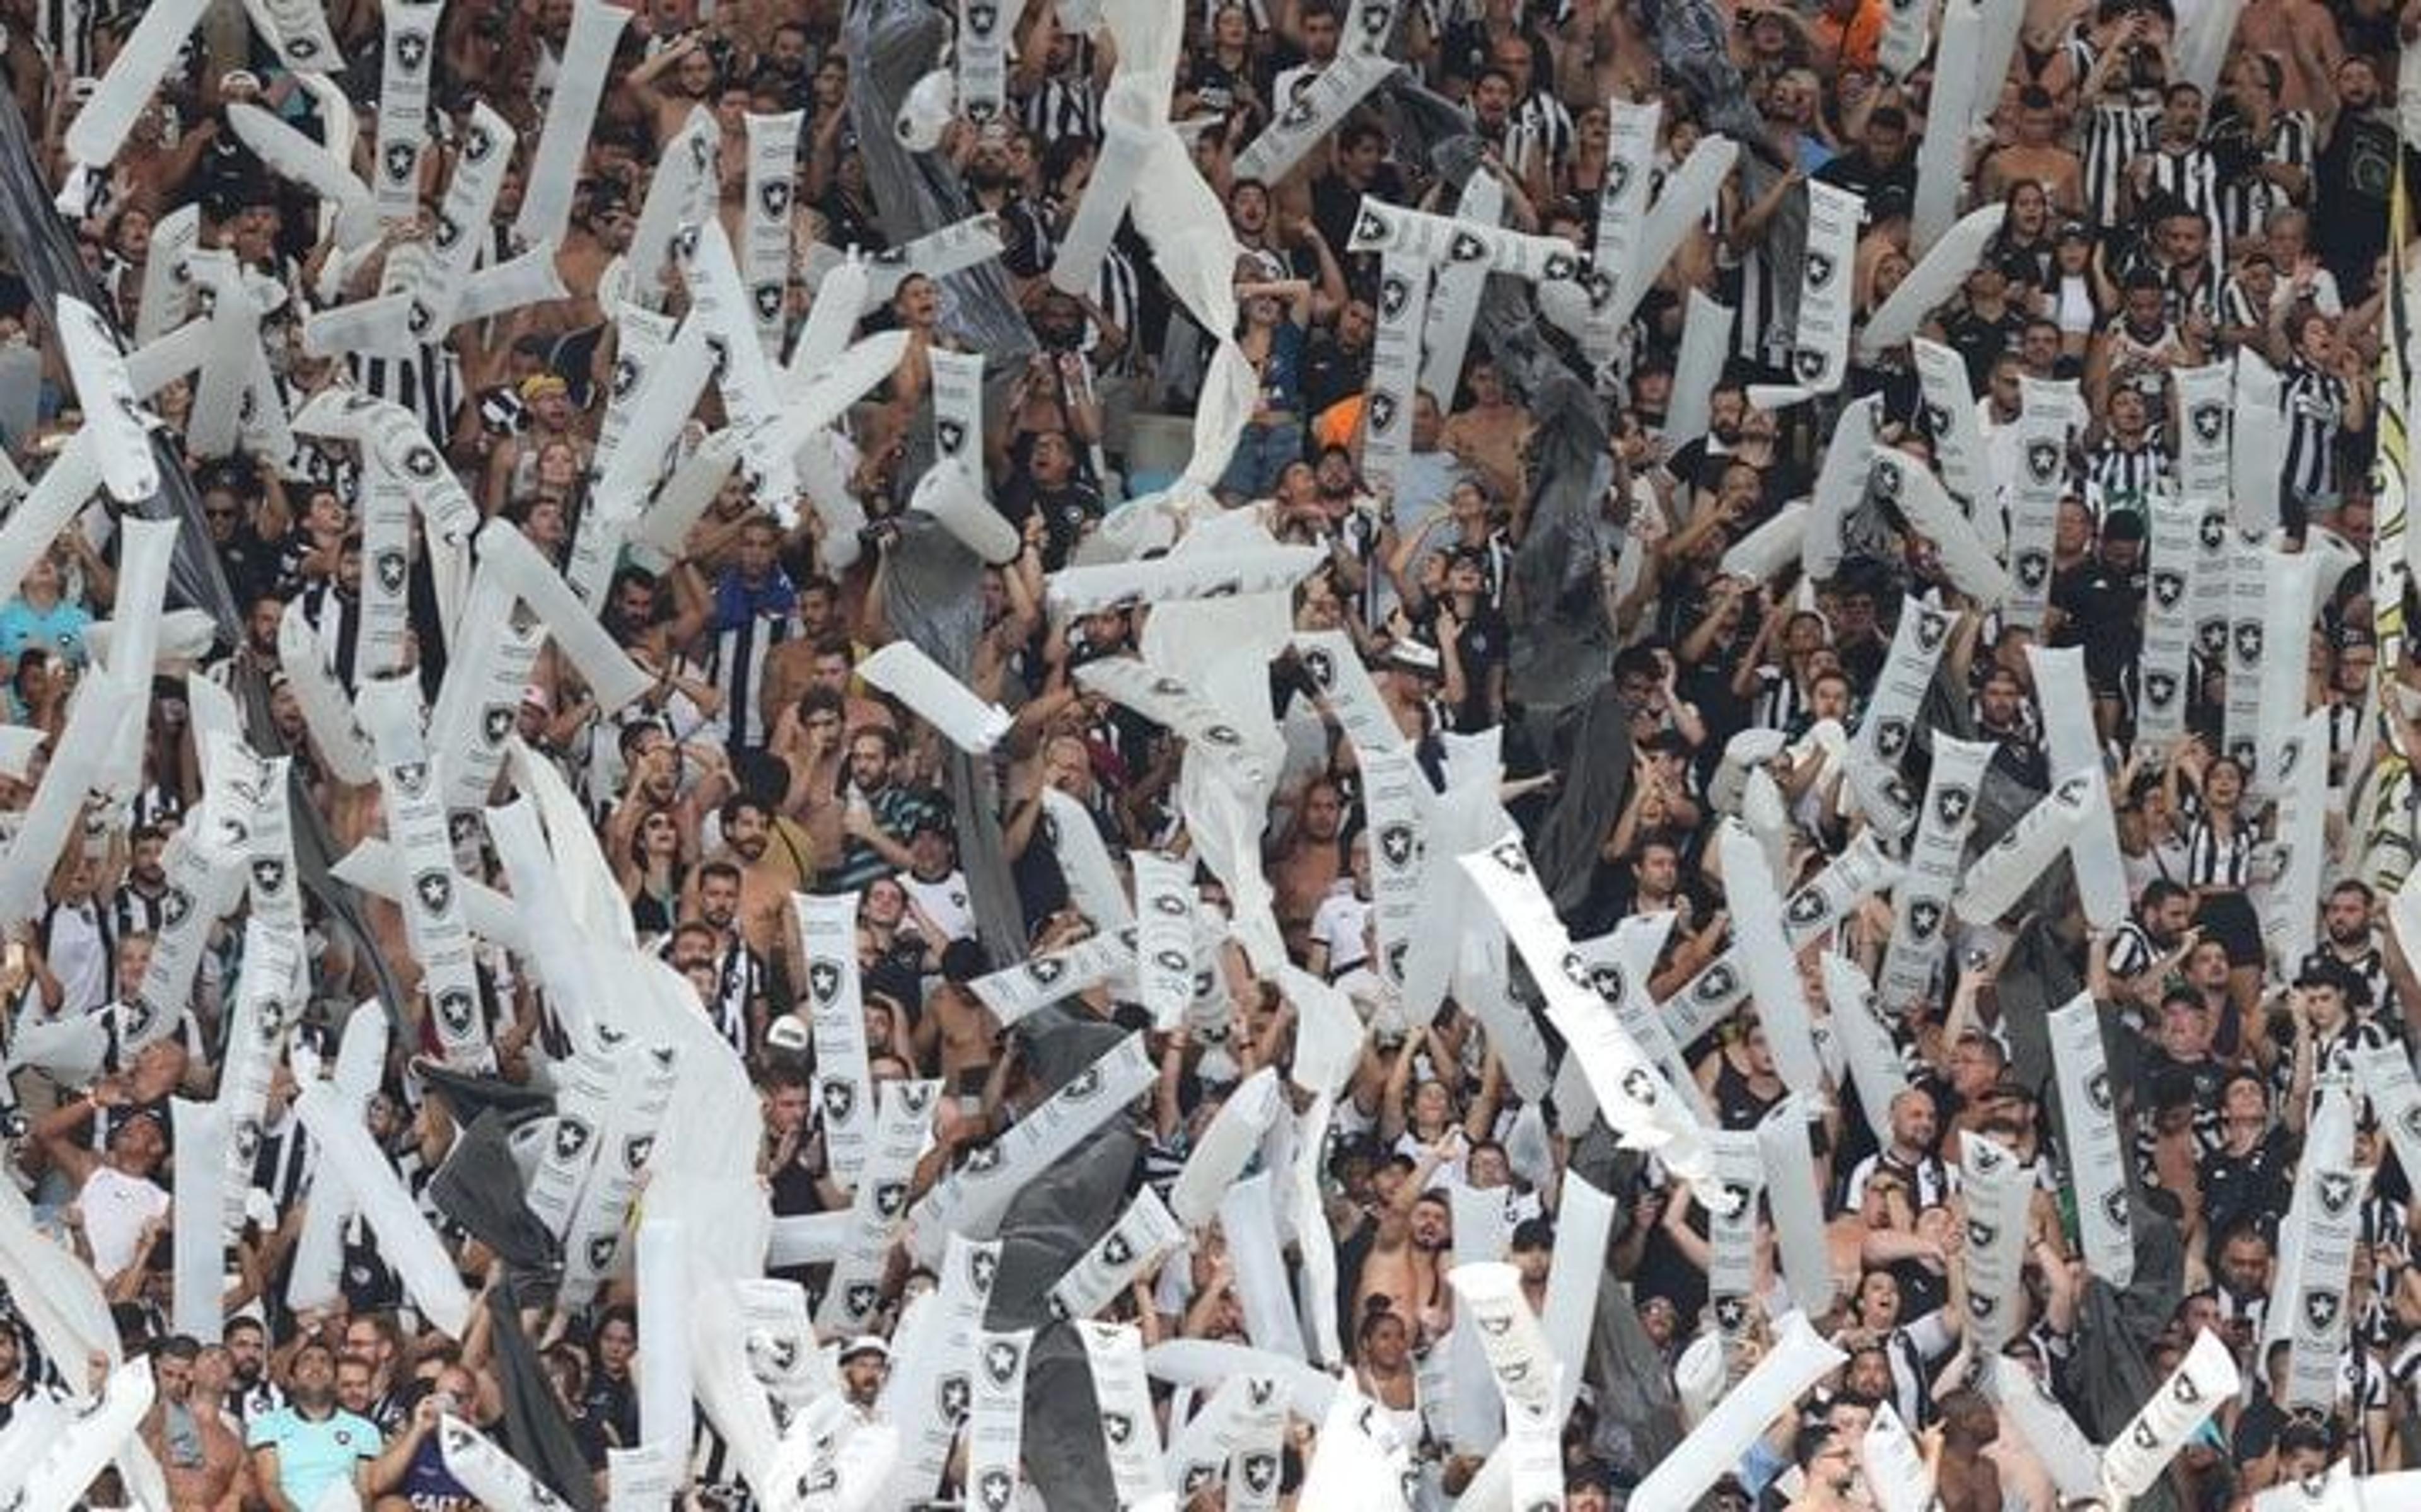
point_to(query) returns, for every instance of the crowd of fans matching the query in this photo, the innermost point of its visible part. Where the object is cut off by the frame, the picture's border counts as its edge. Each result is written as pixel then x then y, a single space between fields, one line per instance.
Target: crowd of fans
pixel 2152 225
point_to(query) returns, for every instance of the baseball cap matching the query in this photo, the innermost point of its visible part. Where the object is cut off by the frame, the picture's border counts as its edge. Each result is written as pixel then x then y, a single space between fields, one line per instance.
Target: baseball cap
pixel 786 1032
pixel 865 1344
pixel 2319 969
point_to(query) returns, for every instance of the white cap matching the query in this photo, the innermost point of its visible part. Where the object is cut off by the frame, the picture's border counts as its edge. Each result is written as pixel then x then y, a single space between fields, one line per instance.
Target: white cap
pixel 786 1032
pixel 865 1344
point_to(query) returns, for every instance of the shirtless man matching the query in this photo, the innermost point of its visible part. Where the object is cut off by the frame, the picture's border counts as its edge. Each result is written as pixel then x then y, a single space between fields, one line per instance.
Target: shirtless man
pixel 1307 864
pixel 832 666
pixel 1415 1228
pixel 2036 155
pixel 201 1456
pixel 1964 1478
pixel 771 870
pixel 692 84
pixel 598 236
pixel 966 1029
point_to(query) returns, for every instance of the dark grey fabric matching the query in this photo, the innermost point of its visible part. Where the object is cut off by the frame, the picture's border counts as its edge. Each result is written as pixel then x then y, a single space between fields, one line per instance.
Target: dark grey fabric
pixel 932 594
pixel 1049 1225
pixel 890 45
pixel 1637 1410
pixel 470 1097
pixel 2038 978
pixel 535 1429
pixel 932 586
pixel 1592 752
pixel 1694 52
pixel 1562 645
pixel 480 1187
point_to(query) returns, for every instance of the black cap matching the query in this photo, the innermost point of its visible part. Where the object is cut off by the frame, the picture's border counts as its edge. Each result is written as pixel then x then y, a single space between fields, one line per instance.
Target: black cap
pixel 2321 969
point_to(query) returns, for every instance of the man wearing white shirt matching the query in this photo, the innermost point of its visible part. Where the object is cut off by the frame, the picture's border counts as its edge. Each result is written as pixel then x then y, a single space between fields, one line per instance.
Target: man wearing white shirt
pixel 117 1196
pixel 1319 27
pixel 933 881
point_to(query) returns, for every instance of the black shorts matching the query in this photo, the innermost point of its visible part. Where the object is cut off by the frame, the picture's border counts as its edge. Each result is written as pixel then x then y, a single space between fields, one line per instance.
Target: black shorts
pixel 2228 918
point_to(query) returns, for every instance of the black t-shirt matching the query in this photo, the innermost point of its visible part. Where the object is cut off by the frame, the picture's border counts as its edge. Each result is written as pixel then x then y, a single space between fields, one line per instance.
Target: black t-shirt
pixel 613 1403
pixel 2257 1428
pixel 1485 645
pixel 1981 339
pixel 2161 1071
pixel 2352 175
pixel 2101 606
pixel 1068 511
pixel 251 565
pixel 1858 173
pixel 2261 1181
pixel 1331 373
pixel 1335 204
pixel 1216 87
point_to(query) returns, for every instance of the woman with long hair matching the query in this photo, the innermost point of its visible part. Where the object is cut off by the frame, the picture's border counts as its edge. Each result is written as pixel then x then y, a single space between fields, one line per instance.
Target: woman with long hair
pixel 1272 317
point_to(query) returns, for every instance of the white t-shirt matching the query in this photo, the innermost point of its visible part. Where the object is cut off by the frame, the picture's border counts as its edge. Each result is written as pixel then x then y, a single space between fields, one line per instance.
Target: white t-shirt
pixel 946 902
pixel 116 1206
pixel 1338 924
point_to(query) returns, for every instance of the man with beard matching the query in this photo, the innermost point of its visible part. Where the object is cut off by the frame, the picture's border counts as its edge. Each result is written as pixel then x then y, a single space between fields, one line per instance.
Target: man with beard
pixel 1337 363
pixel 738 1006
pixel 2348 939
pixel 139 902
pixel 303 1448
pixel 775 859
pixel 333 608
pixel 230 497
pixel 1829 1462
pixel 2352 175
pixel 2145 949
pixel 1359 542
pixel 632 606
pixel 1411 1233
pixel 1308 863
pixel 413 1467
pixel 863 1366
pixel 250 1393
pixel 257 652
pixel 202 1457
pixel 1909 1153
pixel 882 812
pixel 2102 595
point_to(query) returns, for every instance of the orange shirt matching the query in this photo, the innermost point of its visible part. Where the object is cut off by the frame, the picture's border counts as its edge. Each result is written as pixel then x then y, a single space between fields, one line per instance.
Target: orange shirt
pixel 1854 40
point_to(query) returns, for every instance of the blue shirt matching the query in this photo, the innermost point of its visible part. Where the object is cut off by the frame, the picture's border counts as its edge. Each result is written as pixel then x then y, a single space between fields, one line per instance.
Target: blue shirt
pixel 59 627
pixel 312 1457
